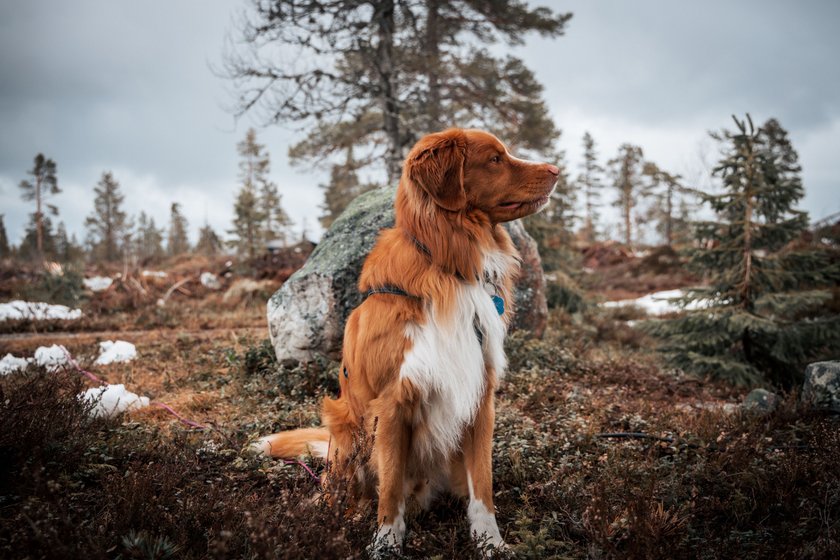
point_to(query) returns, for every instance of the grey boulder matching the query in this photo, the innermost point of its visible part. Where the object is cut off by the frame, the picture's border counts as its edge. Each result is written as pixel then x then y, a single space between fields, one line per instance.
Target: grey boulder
pixel 306 316
pixel 822 385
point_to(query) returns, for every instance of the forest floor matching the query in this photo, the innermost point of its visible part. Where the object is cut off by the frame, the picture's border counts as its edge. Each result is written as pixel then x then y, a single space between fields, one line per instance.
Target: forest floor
pixel 699 477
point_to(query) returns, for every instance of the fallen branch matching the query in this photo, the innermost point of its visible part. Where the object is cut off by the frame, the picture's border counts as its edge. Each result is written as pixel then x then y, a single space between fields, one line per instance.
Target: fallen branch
pixel 162 301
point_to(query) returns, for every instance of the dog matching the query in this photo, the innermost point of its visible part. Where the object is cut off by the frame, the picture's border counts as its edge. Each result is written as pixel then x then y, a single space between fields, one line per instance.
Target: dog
pixel 423 353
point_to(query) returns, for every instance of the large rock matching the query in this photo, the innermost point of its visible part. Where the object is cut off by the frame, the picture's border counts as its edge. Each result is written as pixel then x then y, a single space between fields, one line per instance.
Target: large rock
pixel 306 315
pixel 822 385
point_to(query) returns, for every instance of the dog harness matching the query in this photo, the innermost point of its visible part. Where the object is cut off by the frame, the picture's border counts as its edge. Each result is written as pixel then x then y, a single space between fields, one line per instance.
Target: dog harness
pixel 390 289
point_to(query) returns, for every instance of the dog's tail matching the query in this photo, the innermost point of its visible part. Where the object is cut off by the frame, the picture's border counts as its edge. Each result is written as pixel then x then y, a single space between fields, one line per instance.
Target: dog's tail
pixel 295 443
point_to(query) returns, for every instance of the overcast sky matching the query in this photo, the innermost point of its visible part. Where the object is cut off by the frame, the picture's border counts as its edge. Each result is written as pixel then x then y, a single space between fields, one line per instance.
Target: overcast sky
pixel 128 86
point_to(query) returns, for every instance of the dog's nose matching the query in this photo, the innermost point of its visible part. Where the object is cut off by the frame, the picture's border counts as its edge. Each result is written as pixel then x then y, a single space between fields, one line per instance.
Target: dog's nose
pixel 553 169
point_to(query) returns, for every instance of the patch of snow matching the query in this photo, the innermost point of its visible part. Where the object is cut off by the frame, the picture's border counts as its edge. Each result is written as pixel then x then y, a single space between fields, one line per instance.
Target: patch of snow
pixel 113 352
pixel 210 280
pixel 154 274
pixel 10 364
pixel 658 303
pixel 97 283
pixel 110 400
pixel 39 311
pixel 52 357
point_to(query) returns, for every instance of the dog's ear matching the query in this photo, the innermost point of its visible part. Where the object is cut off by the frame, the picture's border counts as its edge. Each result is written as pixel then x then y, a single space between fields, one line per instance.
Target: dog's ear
pixel 436 164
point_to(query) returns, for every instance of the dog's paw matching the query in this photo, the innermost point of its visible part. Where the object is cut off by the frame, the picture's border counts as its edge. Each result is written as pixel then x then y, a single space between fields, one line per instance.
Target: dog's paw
pixel 387 542
pixel 260 447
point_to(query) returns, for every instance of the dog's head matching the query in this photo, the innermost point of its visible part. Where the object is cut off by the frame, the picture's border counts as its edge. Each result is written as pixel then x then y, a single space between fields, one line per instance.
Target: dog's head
pixel 471 169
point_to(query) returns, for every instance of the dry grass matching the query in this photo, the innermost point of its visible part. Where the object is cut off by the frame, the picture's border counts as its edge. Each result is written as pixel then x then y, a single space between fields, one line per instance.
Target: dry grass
pixel 727 484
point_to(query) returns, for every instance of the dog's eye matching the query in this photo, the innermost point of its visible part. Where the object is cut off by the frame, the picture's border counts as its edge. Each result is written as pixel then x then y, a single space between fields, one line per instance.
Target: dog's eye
pixel 496 159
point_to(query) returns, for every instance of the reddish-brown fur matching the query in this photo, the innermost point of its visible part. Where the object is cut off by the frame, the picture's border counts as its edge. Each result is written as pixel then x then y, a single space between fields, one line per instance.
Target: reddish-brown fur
pixel 456 187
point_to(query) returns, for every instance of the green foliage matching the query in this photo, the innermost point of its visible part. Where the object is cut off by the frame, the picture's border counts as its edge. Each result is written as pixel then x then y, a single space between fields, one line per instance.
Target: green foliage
pixel 65 288
pixel 561 292
pixel 764 312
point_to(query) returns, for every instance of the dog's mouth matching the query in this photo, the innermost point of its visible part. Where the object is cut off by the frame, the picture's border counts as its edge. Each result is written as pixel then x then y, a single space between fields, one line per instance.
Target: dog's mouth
pixel 516 205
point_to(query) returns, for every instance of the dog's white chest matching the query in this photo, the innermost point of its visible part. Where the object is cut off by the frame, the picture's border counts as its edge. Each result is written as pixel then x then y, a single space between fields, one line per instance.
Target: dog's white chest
pixel 447 364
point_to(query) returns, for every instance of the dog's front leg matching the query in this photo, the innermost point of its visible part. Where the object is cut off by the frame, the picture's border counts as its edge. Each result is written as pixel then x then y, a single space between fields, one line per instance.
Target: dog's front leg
pixel 391 451
pixel 478 461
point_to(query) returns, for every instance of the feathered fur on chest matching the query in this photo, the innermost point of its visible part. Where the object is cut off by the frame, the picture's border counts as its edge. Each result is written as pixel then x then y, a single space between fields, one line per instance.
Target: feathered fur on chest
pixel 452 357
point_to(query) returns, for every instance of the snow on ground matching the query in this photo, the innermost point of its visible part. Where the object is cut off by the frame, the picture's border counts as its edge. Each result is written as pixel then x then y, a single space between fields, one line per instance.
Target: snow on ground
pixel 10 364
pixel 39 311
pixel 113 352
pixel 210 280
pixel 110 400
pixel 52 357
pixel 658 303
pixel 97 283
pixel 154 274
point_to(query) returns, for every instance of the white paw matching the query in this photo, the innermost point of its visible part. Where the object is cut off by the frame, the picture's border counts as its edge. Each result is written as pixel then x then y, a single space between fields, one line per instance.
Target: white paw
pixel 388 540
pixel 260 447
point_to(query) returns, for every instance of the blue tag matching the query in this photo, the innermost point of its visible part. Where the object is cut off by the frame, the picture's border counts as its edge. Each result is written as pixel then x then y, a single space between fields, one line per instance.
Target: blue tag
pixel 499 303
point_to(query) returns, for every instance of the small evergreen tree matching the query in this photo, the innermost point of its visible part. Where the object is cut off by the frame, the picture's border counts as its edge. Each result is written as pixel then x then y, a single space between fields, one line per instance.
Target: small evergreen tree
pixel 590 182
pixel 625 170
pixel 764 310
pixel 209 243
pixel 107 224
pixel 277 222
pixel 177 241
pixel 247 219
pixel 5 251
pixel 149 239
pixel 42 185
pixel 67 249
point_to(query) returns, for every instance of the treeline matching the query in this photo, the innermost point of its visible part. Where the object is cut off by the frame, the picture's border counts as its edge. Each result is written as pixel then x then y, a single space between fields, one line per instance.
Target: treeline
pixel 114 236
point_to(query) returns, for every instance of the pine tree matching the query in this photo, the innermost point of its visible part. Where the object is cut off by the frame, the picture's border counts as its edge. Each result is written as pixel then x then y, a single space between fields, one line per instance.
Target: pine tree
pixel 107 224
pixel 344 185
pixel 667 191
pixel 42 185
pixel 625 170
pixel 5 250
pixel 764 310
pixel 209 243
pixel 177 240
pixel 258 214
pixel 382 73
pixel 590 182
pixel 149 239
